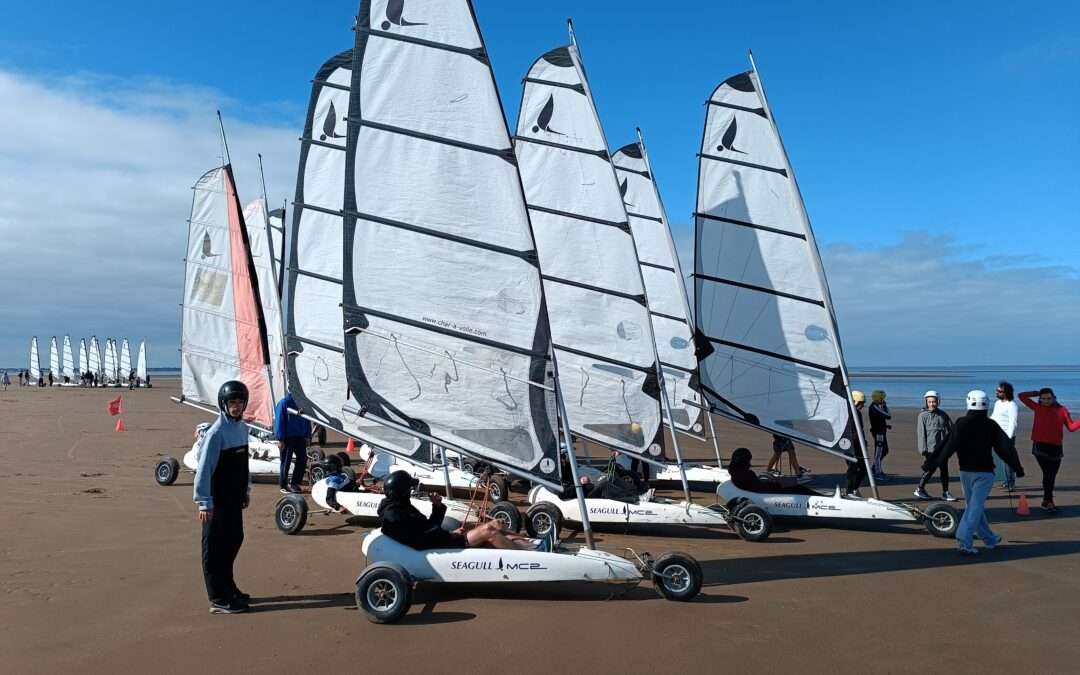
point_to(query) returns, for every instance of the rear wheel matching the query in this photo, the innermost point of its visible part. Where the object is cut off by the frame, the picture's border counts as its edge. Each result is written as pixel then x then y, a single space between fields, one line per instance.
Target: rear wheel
pixel 166 471
pixel 942 520
pixel 543 518
pixel 349 473
pixel 507 514
pixel 315 454
pixel 676 576
pixel 752 523
pixel 498 490
pixel 291 514
pixel 345 459
pixel 318 472
pixel 383 594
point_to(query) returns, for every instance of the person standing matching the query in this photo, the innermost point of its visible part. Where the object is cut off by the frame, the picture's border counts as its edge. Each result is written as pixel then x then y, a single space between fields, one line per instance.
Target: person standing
pixel 780 445
pixel 292 433
pixel 879 429
pixel 6 381
pixel 1006 414
pixel 222 492
pixel 1046 437
pixel 856 471
pixel 973 437
pixel 932 430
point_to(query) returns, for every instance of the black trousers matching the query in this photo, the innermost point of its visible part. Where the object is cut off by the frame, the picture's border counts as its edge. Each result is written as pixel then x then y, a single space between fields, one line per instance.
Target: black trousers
pixel 856 474
pixel 221 540
pixel 295 449
pixel 1049 470
pixel 944 470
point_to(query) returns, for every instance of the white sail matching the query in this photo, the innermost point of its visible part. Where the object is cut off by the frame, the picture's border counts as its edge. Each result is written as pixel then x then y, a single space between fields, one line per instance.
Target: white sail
pixel 67 363
pixel 257 222
pixel 596 298
pixel 125 361
pixel 109 364
pixel 443 301
pixel 767 339
pixel 84 363
pixel 94 356
pixel 35 361
pixel 223 335
pixel 140 365
pixel 668 306
pixel 54 359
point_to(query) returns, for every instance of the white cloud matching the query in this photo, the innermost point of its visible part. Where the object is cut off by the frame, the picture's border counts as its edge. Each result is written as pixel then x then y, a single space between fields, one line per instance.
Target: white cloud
pixel 96 176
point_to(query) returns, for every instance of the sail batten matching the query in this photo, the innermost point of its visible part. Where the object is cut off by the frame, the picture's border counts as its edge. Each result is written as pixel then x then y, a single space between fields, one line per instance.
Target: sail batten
pixel 35 360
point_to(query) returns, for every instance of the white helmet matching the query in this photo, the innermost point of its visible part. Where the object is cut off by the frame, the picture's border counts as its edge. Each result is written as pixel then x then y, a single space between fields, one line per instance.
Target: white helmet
pixel 931 393
pixel 977 400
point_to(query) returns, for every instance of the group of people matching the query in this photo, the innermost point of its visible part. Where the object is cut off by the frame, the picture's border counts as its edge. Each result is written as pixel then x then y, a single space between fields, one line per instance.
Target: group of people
pixel 26 381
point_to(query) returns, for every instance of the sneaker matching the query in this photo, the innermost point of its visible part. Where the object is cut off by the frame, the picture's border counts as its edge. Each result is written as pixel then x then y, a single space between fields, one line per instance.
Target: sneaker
pixel 921 493
pixel 773 472
pixel 241 596
pixel 947 496
pixel 286 491
pixel 882 478
pixel 803 471
pixel 991 545
pixel 233 607
pixel 854 493
pixel 647 495
pixel 547 542
pixel 1009 487
pixel 1050 507
pixel 968 551
pixel 295 489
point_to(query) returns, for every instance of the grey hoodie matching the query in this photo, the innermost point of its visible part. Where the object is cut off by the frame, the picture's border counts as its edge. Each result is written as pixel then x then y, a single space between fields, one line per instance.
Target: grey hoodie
pixel 932 430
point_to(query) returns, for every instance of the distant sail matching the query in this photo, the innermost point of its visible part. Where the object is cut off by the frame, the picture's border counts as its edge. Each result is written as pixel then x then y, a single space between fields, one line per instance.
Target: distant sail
pixel 596 299
pixel 767 339
pixel 256 219
pixel 84 364
pixel 110 361
pixel 54 359
pixel 67 363
pixel 140 367
pixel 35 361
pixel 125 361
pixel 223 335
pixel 671 319
pixel 94 357
pixel 444 306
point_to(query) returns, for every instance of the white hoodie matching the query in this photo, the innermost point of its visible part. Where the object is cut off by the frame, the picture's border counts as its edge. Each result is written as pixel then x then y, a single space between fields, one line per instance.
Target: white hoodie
pixel 1006 414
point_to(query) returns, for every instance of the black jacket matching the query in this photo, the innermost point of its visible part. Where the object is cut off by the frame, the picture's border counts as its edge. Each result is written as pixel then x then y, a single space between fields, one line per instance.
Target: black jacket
pixel 973 437
pixel 403 522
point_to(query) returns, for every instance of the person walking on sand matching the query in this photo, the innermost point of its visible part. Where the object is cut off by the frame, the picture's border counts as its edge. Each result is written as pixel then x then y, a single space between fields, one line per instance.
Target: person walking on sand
pixel 856 471
pixel 1046 438
pixel 6 381
pixel 292 433
pixel 780 445
pixel 1006 413
pixel 973 437
pixel 879 429
pixel 222 492
pixel 931 432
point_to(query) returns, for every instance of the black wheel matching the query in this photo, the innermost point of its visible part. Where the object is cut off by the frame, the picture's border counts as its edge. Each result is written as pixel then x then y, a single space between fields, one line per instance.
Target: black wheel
pixel 543 518
pixel 166 471
pixel 383 593
pixel 315 454
pixel 318 472
pixel 468 466
pixel 942 520
pixel 322 435
pixel 766 476
pixel 752 523
pixel 498 490
pixel 507 514
pixel 349 473
pixel 676 576
pixel 291 514
pixel 345 459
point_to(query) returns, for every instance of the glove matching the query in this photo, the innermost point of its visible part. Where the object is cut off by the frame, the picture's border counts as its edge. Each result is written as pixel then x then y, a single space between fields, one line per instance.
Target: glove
pixel 1019 472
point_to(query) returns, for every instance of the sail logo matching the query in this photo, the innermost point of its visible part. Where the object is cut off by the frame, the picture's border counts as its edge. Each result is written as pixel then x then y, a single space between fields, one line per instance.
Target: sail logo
pixel 727 142
pixel 330 124
pixel 608 510
pixel 472 565
pixel 394 11
pixel 622 190
pixel 500 566
pixel 543 120
pixel 628 330
pixel 207 247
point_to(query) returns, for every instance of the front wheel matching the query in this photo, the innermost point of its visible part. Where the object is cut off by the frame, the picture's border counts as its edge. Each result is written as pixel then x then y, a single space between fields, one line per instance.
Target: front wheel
pixel 752 523
pixel 291 514
pixel 498 490
pixel 345 459
pixel 166 471
pixel 941 520
pixel 543 518
pixel 318 472
pixel 383 594
pixel 676 576
pixel 315 454
pixel 507 514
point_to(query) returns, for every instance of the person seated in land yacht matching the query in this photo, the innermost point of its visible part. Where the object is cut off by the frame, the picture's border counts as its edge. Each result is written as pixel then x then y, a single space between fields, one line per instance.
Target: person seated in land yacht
pixel 745 479
pixel 403 522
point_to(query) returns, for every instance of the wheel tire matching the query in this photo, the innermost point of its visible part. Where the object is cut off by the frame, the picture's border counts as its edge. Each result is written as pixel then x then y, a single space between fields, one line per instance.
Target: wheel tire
pixel 349 473
pixel 468 466
pixel 315 454
pixel 498 489
pixel 676 576
pixel 766 476
pixel 345 459
pixel 754 523
pixel 383 593
pixel 942 520
pixel 318 472
pixel 541 518
pixel 166 471
pixel 507 514
pixel 290 514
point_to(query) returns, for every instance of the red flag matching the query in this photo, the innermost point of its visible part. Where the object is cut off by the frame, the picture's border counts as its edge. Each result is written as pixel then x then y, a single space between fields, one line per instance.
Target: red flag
pixel 115 405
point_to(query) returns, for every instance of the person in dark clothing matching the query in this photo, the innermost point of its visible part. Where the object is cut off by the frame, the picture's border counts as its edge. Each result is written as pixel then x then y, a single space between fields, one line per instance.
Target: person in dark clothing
pixel 222 492
pixel 292 433
pixel 403 522
pixel 617 490
pixel 879 429
pixel 972 439
pixel 856 471
pixel 336 481
pixel 1047 436
pixel 744 478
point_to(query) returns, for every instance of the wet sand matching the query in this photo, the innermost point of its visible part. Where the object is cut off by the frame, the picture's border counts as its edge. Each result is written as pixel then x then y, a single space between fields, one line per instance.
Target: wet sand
pixel 99 569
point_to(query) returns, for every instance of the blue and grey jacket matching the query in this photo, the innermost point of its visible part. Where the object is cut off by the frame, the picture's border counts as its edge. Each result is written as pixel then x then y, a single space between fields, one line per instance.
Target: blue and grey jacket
pixel 222 478
pixel 287 425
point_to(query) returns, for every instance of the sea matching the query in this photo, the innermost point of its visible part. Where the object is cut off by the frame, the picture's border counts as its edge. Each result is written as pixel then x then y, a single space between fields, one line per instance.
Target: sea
pixel 904 387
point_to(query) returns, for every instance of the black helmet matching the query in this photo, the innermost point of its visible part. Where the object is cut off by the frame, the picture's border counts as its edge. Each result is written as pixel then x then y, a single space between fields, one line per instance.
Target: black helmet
pixel 399 485
pixel 230 390
pixel 332 464
pixel 741 456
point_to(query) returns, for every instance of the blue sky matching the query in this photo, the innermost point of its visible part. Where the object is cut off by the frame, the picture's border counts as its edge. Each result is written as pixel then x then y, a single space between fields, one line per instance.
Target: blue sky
pixel 934 143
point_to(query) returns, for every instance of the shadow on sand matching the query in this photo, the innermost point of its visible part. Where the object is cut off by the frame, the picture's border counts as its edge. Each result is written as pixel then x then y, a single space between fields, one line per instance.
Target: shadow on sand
pixel 276 603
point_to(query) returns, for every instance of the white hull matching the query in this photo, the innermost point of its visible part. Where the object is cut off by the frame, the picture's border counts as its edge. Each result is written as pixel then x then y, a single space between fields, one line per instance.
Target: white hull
pixel 695 475
pixel 832 506
pixel 656 512
pixel 267 462
pixel 366 504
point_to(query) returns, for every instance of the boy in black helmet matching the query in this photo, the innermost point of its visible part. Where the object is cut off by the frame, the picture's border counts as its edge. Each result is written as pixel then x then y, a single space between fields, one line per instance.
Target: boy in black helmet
pixel 222 492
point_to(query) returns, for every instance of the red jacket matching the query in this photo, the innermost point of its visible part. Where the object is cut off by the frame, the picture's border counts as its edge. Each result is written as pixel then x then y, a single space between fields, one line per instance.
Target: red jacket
pixel 1048 419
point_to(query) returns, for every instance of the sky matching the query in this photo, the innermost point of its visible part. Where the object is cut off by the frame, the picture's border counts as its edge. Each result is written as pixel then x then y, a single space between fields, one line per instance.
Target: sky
pixel 935 146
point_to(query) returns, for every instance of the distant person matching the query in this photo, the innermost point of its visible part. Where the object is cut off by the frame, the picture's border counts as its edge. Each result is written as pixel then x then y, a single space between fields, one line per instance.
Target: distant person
pixel 1006 414
pixel 292 433
pixel 95 379
pixel 5 380
pixel 1046 438
pixel 857 471
pixel 336 481
pixel 131 380
pixel 50 378
pixel 21 381
pixel 41 381
pixel 780 445
pixel 932 430
pixel 148 385
pixel 744 478
pixel 973 437
pixel 879 429
pixel 222 492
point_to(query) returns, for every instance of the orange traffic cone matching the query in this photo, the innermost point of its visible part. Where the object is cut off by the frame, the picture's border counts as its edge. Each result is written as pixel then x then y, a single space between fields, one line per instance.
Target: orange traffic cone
pixel 120 424
pixel 1022 509
pixel 350 447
